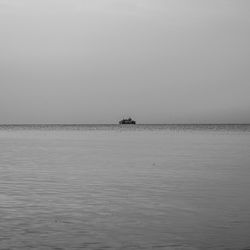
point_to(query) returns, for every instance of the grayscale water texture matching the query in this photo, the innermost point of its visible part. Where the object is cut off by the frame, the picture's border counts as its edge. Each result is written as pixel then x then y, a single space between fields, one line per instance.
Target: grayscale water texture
pixel 125 187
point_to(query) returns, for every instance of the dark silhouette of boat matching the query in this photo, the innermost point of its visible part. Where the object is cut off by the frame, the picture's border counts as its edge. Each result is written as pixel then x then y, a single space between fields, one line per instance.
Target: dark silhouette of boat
pixel 127 121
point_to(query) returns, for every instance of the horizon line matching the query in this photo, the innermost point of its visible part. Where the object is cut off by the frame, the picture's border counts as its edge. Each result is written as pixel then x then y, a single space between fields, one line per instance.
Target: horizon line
pixel 103 124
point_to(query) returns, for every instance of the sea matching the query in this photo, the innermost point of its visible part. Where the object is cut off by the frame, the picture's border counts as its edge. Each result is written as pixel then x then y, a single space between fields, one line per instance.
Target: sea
pixel 180 187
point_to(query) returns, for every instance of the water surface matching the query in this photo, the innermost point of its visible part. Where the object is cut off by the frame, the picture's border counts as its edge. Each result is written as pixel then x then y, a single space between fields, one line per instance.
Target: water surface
pixel 125 187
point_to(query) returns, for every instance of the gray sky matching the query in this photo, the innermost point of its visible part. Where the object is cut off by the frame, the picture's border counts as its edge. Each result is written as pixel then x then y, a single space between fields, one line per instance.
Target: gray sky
pixel 95 61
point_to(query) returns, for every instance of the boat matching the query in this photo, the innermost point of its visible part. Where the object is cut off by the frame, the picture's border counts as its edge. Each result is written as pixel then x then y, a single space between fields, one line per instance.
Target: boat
pixel 127 121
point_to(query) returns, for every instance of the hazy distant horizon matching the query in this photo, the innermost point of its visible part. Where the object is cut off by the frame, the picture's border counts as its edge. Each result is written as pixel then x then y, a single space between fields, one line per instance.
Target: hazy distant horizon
pixel 97 61
pixel 112 124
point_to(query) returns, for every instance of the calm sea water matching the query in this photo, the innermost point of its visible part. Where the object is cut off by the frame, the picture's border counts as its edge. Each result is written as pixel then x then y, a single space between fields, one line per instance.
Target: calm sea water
pixel 125 187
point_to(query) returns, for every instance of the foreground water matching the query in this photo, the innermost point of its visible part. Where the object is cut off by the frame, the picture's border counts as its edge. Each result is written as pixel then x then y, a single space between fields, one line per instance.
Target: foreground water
pixel 131 187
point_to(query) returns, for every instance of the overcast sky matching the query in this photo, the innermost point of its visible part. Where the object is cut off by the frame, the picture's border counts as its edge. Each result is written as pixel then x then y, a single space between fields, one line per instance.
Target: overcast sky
pixel 95 61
